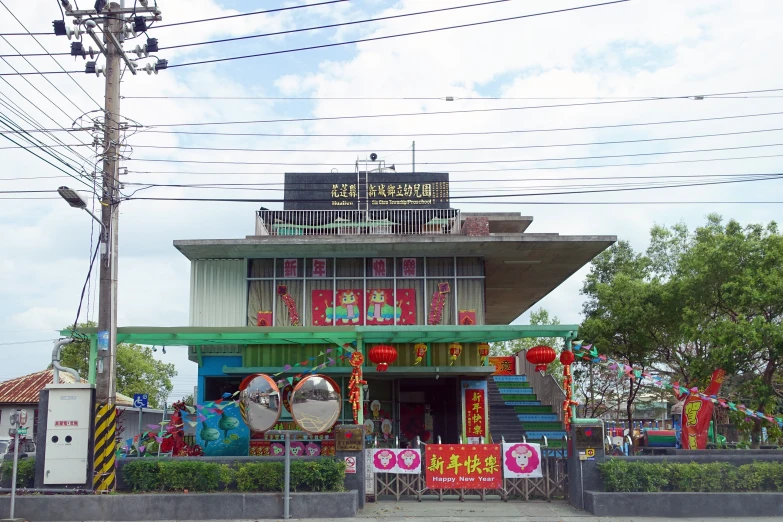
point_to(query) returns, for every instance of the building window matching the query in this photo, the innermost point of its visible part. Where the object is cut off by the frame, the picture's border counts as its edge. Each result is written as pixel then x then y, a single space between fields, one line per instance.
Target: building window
pixel 366 291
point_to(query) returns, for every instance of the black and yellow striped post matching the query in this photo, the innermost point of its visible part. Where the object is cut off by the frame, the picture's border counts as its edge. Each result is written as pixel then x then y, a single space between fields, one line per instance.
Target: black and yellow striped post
pixel 104 475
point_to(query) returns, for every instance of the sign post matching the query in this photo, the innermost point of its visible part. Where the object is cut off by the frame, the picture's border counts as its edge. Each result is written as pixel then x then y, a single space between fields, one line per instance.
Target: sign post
pixel 140 401
pixel 287 470
pixel 16 417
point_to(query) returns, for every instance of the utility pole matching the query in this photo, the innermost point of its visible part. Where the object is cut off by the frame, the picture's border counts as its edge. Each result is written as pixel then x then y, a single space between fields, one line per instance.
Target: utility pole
pixel 108 25
pixel 106 377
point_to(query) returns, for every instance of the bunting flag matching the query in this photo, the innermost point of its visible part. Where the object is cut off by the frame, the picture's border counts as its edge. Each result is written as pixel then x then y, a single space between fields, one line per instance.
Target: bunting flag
pixel 590 354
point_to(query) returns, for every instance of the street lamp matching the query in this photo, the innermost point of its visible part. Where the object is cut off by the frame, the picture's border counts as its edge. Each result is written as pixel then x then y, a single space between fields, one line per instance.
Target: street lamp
pixel 75 200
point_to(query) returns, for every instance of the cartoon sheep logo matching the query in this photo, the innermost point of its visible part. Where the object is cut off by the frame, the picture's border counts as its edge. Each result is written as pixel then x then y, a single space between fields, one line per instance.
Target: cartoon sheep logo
pixel 522 459
pixel 408 460
pixel 384 460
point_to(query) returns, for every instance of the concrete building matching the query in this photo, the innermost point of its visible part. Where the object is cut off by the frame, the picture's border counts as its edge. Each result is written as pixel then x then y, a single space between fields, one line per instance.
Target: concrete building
pixel 359 260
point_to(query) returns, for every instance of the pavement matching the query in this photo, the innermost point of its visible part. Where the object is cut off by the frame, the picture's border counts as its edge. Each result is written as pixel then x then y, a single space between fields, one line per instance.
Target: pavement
pixel 488 511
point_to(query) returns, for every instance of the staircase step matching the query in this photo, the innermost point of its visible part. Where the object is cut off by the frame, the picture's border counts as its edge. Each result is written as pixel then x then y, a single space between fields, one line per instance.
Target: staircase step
pixel 533 407
pixel 542 426
pixel 519 397
pixel 531 417
pixel 515 391
pixel 527 404
pixel 509 378
pixel 548 434
pixel 506 385
pixel 556 443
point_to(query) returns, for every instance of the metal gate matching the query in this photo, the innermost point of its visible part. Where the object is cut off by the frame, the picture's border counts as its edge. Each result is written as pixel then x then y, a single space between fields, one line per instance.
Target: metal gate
pixel 553 485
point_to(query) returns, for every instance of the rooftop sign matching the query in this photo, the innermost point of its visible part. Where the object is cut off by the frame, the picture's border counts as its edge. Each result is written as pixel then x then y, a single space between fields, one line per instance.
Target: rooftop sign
pixel 382 191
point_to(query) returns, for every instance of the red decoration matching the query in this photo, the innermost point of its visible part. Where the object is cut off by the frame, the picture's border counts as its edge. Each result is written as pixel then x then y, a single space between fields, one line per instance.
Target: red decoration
pixel 354 385
pixel 383 355
pixel 483 351
pixel 455 349
pixel 421 351
pixel 466 318
pixel 567 358
pixel 464 466
pixel 436 307
pixel 293 315
pixel 541 356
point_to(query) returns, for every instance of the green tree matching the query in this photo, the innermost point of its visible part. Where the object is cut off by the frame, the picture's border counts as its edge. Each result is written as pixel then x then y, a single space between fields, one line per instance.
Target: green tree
pixel 625 312
pixel 730 281
pixel 137 369
pixel 537 317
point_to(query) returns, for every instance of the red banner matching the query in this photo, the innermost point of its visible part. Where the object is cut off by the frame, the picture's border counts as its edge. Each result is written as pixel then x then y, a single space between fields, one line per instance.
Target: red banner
pixel 504 365
pixel 463 466
pixel 697 413
pixel 476 415
pixel 377 308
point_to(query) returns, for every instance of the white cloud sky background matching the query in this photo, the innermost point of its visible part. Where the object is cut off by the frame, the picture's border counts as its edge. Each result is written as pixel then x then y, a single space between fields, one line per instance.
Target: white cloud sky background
pixel 640 48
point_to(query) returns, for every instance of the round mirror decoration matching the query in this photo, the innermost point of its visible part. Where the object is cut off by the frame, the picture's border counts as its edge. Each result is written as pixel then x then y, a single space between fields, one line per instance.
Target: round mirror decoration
pixel 260 402
pixel 315 404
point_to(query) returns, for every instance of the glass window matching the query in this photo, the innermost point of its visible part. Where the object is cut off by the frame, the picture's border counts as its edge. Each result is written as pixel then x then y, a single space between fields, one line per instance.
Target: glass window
pixel 442 289
pixel 290 267
pixel 470 267
pixel 259 303
pixel 378 267
pixel 440 266
pixel 319 299
pixel 320 268
pixel 410 267
pixel 293 288
pixel 350 267
pixel 470 301
pixel 261 268
pixel 349 308
pixel 410 293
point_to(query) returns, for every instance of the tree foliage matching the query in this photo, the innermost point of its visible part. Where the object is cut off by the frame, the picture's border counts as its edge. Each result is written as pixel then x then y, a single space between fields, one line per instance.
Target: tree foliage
pixel 137 369
pixel 695 301
pixel 537 317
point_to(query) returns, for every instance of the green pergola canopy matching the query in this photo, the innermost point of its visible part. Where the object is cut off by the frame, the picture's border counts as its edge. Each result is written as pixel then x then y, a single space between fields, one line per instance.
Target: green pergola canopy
pixel 251 335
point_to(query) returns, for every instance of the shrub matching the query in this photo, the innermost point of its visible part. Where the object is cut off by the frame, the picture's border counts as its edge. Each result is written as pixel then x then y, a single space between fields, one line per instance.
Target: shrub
pixel 25 472
pixel 634 476
pixel 260 476
pixel 176 475
pixel 313 475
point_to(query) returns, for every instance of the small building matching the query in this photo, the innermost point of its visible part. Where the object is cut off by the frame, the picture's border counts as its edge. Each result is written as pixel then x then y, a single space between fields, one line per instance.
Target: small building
pixel 358 260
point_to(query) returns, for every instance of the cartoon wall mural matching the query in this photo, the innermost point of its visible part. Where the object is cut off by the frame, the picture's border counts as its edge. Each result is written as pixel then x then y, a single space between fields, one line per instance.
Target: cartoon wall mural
pixel 378 303
pixel 224 433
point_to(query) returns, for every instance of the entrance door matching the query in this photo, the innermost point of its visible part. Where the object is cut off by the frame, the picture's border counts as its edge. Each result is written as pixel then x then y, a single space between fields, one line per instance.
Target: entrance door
pixel 441 397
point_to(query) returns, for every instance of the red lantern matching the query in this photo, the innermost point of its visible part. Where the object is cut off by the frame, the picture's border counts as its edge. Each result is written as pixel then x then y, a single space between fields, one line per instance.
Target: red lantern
pixel 421 351
pixel 383 355
pixel 455 349
pixel 483 350
pixel 567 357
pixel 541 356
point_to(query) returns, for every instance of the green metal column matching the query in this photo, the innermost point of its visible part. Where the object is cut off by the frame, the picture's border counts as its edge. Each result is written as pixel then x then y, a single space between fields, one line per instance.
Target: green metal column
pixel 93 359
pixel 429 354
pixel 360 349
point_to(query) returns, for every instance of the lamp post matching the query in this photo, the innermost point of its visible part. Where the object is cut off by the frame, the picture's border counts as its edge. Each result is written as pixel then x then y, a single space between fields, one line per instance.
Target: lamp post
pixel 107 304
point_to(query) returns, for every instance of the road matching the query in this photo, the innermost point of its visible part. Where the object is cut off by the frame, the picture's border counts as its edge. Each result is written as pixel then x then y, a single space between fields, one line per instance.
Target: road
pixel 490 511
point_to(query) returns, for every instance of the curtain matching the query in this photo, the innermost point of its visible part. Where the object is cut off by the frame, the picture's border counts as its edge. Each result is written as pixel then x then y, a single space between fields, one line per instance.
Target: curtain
pixel 259 299
pixel 470 296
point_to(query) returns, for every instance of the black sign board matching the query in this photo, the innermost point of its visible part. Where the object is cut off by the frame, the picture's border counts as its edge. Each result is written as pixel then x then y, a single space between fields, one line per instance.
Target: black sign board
pixel 588 437
pixel 381 191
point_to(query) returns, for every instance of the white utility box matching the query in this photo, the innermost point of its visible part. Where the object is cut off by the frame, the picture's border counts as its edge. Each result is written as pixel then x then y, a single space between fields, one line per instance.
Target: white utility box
pixel 68 429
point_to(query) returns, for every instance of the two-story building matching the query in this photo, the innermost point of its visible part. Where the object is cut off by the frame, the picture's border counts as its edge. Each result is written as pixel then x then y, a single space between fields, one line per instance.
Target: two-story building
pixel 367 259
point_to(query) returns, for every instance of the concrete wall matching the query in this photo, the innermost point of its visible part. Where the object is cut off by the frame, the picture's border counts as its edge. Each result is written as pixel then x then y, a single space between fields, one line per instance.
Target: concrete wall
pixel 191 506
pixel 746 506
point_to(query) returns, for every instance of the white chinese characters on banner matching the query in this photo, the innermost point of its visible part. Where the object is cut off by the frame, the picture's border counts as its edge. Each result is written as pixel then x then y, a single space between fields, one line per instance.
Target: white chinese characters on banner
pixel 407 461
pixel 319 268
pixel 290 268
pixel 522 460
pixel 379 267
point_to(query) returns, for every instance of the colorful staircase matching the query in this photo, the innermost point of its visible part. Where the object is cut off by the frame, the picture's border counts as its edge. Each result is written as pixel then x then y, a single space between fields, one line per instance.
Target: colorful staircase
pixel 515 411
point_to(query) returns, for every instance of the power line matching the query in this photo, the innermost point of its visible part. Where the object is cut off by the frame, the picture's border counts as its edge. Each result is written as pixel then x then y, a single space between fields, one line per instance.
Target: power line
pixel 435 113
pixel 411 98
pixel 324 46
pixel 486 196
pixel 44 48
pixel 606 156
pixel 249 14
pixel 461 149
pixel 451 171
pixel 452 149
pixel 331 26
pixel 475 133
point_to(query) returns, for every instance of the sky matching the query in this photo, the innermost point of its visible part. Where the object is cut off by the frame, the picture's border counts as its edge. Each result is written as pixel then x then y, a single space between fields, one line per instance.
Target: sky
pixel 593 65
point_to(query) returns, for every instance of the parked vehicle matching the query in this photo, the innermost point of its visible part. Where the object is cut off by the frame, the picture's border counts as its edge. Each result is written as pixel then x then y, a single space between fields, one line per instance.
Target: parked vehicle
pixel 26 449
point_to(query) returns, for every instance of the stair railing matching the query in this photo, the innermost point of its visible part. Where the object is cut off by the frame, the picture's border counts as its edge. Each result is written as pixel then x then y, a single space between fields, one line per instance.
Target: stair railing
pixel 546 388
pixel 546 442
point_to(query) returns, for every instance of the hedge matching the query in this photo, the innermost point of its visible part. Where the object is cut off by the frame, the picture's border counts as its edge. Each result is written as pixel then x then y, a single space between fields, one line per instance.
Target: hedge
pixel 178 475
pixel 25 472
pixel 634 476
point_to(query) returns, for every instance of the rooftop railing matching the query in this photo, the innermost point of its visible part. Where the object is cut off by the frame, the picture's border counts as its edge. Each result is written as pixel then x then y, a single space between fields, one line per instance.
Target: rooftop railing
pixel 416 222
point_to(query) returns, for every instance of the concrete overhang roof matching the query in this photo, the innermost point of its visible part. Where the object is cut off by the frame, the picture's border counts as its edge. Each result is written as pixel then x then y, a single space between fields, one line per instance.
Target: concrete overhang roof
pixel 520 268
pixel 502 222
